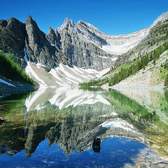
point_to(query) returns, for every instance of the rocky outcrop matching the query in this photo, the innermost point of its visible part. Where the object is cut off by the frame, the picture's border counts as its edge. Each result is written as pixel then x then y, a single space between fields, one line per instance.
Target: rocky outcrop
pixel 80 50
pixel 38 47
pixel 12 37
pixel 54 38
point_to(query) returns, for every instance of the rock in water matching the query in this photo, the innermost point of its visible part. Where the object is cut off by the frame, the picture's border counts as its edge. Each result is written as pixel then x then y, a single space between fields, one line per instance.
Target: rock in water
pixel 2 120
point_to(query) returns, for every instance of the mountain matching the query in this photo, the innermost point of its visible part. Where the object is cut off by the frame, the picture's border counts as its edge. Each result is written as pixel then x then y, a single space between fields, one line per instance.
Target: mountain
pixel 13 79
pixel 83 45
pixel 80 44
pixel 156 36
pixel 90 48
pixel 154 75
pixel 147 51
pixel 12 37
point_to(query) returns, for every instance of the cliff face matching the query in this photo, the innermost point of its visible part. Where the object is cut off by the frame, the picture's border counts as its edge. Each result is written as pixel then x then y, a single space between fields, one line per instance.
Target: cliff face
pixel 12 37
pixel 38 47
pixel 65 45
pixel 82 47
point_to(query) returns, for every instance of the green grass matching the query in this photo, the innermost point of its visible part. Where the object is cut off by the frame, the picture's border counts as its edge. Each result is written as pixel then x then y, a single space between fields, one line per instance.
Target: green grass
pixel 10 69
pixel 129 68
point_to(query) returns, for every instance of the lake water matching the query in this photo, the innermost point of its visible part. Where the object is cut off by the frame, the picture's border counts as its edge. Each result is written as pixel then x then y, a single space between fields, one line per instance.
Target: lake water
pixel 73 128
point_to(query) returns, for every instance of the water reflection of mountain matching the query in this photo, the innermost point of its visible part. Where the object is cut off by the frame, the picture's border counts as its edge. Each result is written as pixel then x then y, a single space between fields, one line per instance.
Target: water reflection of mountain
pixel 74 125
pixel 63 97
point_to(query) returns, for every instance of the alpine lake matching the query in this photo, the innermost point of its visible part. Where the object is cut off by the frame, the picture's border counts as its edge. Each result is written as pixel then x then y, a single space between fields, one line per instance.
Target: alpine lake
pixel 71 128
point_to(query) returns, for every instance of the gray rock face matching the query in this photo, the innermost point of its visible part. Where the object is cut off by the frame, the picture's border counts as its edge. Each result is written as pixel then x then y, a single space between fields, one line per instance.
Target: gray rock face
pixel 86 30
pixel 80 51
pixel 38 47
pixel 12 37
pixel 54 38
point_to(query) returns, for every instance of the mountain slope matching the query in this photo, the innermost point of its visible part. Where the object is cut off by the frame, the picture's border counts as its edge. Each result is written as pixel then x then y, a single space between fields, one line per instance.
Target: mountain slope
pixel 132 67
pixel 12 37
pixel 61 76
pixel 116 45
pixel 157 36
pixel 149 49
pixel 13 79
pixel 154 74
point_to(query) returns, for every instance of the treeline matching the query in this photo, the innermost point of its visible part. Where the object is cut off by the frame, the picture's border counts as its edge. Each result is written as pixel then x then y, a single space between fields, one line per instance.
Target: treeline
pixel 12 70
pixel 130 68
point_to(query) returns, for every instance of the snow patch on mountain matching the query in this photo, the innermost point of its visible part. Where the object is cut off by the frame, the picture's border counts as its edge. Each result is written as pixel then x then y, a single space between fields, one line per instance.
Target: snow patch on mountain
pixel 63 75
pixel 113 44
pixel 60 86
pixel 121 44
pixel 32 73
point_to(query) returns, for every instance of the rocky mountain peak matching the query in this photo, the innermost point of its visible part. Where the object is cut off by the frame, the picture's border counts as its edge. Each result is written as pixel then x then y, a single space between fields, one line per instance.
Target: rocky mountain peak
pixel 91 33
pixel 39 47
pixel 12 20
pixel 80 44
pixel 29 20
pixel 31 26
pixel 51 31
pixel 35 35
pixel 67 24
pixel 86 25
pixel 3 23
pixel 54 37
pixel 12 36
pixel 13 23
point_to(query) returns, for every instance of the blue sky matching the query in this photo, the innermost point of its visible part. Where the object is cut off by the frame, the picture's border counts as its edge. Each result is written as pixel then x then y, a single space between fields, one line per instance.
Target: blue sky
pixel 110 16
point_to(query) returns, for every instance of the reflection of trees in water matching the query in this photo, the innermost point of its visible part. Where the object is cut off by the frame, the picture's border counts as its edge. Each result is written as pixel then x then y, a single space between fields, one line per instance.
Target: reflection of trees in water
pixel 130 110
pixel 166 95
pixel 13 136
